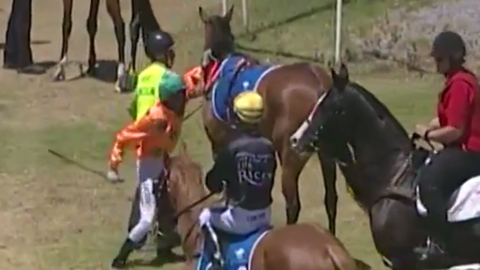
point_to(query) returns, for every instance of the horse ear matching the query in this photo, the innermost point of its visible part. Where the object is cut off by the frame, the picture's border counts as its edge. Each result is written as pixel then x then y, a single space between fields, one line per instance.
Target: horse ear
pixel 343 73
pixel 229 14
pixel 333 73
pixel 203 15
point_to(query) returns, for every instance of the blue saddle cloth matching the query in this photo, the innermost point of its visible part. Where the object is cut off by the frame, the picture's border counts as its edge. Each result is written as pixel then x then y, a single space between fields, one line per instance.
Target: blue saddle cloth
pixel 236 250
pixel 232 81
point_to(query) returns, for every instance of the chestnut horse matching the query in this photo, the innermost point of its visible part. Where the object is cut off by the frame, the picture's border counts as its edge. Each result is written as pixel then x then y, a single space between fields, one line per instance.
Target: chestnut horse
pixel 145 23
pixel 291 247
pixel 290 93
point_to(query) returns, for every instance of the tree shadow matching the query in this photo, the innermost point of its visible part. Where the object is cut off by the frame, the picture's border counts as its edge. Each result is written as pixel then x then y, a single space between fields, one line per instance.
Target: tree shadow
pixel 284 54
pixel 279 23
pixel 33 42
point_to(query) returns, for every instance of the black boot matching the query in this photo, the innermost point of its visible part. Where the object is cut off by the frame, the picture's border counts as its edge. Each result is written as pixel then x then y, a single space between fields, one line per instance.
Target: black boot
pixel 121 259
pixel 435 248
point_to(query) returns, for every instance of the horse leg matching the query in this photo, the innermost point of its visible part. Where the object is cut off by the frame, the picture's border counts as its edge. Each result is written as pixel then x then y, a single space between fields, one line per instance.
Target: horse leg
pixel 330 201
pixel 291 168
pixel 66 32
pixel 113 9
pixel 92 27
pixel 134 34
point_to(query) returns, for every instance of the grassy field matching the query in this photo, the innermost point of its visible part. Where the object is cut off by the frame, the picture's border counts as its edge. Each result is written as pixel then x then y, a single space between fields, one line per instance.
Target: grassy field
pixel 56 216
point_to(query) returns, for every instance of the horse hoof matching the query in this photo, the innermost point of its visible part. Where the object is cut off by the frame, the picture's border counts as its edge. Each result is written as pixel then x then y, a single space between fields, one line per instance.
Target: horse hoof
pixel 59 75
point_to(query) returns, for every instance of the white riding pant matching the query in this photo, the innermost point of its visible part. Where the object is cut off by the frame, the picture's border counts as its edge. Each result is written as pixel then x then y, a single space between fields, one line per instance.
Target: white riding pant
pixel 148 170
pixel 235 220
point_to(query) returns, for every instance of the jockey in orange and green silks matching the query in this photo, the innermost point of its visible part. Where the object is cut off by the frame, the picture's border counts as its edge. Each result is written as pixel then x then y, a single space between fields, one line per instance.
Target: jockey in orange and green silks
pixel 154 133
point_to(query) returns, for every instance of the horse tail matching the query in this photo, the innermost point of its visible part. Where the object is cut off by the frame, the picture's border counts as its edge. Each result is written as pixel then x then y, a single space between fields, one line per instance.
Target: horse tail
pixel 341 259
pixel 148 21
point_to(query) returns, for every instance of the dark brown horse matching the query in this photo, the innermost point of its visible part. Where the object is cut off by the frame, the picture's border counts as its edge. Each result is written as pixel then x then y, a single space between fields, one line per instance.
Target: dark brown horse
pixel 386 161
pixel 292 247
pixel 143 20
pixel 290 93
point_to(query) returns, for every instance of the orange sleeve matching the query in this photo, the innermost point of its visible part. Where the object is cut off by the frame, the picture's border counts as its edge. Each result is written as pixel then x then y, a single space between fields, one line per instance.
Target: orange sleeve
pixel 132 134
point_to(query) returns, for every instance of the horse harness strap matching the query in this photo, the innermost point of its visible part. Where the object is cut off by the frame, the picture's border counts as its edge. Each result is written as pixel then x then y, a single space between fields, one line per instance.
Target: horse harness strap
pixel 395 191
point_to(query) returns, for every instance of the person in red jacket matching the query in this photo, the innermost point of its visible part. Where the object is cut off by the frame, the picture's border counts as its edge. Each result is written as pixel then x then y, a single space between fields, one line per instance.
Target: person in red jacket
pixel 457 128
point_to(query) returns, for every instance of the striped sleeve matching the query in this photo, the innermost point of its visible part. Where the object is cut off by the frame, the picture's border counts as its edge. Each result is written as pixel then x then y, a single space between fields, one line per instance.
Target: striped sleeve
pixel 132 134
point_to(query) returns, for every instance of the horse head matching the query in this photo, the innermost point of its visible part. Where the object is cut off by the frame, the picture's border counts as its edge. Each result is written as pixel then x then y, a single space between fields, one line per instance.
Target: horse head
pixel 218 40
pixel 328 121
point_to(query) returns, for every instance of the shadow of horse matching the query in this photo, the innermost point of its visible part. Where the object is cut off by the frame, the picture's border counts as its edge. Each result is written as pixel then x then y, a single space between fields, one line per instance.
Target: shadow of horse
pixel 156 262
pixel 105 71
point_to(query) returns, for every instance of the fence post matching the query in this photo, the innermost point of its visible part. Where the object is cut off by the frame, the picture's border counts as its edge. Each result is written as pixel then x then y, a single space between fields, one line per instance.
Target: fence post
pixel 338 31
pixel 224 7
pixel 245 16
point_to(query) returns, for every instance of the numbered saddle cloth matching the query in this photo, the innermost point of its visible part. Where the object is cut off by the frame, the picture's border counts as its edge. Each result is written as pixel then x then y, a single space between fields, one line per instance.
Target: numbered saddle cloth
pixel 237 250
pixel 235 76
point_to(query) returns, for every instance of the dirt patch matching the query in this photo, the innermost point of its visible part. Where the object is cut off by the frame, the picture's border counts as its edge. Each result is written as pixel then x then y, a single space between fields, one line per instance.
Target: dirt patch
pixel 405 34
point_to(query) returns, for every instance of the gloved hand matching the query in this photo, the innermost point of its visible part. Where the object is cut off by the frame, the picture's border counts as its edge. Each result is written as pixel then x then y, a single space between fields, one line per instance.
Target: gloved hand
pixel 113 177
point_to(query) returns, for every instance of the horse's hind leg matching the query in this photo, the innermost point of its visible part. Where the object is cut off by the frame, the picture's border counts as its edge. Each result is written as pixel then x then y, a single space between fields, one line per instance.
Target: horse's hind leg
pixel 92 27
pixel 113 9
pixel 66 32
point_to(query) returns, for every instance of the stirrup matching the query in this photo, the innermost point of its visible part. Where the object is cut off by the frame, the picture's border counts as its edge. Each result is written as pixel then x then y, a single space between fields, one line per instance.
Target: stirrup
pixel 217 256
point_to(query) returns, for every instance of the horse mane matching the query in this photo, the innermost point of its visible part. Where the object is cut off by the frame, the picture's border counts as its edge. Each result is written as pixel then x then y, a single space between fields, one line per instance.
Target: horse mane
pixel 382 111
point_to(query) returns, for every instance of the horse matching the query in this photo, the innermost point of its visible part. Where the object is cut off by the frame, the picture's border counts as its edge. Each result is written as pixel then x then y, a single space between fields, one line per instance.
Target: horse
pixel 387 162
pixel 289 91
pixel 142 20
pixel 300 246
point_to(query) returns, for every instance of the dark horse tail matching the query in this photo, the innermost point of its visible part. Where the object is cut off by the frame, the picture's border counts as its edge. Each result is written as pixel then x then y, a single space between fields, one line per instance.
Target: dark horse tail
pixel 142 22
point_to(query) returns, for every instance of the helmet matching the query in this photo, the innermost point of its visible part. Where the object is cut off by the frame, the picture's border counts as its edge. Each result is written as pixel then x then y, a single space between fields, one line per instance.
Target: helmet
pixel 248 106
pixel 158 43
pixel 448 44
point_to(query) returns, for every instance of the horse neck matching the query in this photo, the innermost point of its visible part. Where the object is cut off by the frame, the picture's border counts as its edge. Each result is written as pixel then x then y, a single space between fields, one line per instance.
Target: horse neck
pixel 380 151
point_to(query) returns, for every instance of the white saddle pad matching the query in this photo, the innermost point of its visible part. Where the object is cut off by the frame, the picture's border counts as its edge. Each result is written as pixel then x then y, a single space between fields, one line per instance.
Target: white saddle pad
pixel 464 203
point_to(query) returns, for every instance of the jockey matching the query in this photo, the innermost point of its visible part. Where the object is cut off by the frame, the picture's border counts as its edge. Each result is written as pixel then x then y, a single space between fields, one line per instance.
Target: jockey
pixel 156 79
pixel 155 134
pixel 246 169
pixel 457 127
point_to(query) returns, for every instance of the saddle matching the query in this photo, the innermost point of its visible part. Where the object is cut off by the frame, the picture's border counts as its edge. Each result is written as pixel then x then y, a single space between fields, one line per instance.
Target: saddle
pixel 233 251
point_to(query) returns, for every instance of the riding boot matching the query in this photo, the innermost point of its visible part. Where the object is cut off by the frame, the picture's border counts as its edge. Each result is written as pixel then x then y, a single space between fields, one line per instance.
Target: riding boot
pixel 211 248
pixel 122 256
pixel 435 248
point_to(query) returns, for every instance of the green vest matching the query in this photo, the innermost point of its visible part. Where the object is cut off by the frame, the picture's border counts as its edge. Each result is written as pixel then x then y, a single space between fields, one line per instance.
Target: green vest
pixel 147 91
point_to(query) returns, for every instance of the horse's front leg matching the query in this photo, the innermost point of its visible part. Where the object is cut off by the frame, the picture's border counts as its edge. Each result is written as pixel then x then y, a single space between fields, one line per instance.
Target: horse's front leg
pixel 330 201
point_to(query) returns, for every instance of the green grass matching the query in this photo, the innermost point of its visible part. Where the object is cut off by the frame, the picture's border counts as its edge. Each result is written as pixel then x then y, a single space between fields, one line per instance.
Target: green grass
pixel 58 216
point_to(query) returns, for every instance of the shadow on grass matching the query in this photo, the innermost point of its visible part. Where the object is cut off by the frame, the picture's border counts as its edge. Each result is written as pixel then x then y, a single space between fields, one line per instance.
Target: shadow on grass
pixel 284 54
pixel 105 71
pixel 285 21
pixel 157 262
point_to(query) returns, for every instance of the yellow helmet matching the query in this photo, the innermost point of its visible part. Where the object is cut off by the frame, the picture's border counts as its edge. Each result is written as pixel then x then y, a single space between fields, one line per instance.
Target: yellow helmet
pixel 248 106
